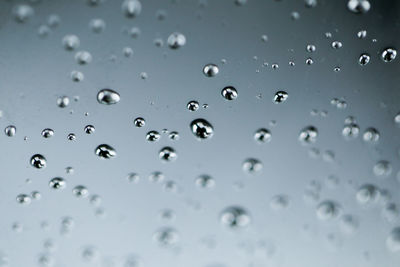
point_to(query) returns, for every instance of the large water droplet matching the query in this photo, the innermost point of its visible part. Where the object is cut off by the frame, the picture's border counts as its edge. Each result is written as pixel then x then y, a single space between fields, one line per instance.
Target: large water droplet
pixel 57 183
pixel 359 6
pixel 131 8
pixel 105 151
pixel 210 70
pixel 235 217
pixel 229 93
pixel 168 154
pixel 176 40
pixel 108 97
pixel 38 161
pixel 389 54
pixel 308 135
pixel 202 129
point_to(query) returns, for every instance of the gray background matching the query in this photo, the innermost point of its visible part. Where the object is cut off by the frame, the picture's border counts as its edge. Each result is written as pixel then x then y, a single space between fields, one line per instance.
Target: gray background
pixel 35 71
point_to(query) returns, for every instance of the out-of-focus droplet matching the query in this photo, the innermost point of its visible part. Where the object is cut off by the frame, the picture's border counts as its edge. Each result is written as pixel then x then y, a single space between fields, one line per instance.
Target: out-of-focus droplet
pixel 167 154
pixel 308 135
pixel 166 236
pixel 280 97
pixel 364 59
pixel 359 6
pixel 262 135
pixel 22 13
pixel 83 57
pixel 350 131
pixel 38 161
pixel 108 97
pixel 139 122
pixel 156 177
pixel 97 25
pixel 10 130
pixel 176 40
pixel 210 70
pixel 133 177
pixel 371 135
pixel 393 240
pixel 71 42
pixel 77 76
pixel 229 93
pixel 23 199
pixel 362 34
pixel 63 101
pixel 382 168
pixel 389 54
pixel 328 210
pixel 252 166
pixel 337 44
pixel 105 151
pixel 202 129
pixel 368 194
pixel 235 217
pixel 279 202
pixel 57 183
pixel 205 181
pixel 311 48
pixel 131 8
pixel 80 191
pixel 348 224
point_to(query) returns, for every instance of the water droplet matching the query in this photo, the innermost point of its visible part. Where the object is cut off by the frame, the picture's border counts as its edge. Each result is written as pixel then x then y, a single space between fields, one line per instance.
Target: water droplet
pixel 309 61
pixel 351 131
pixel 308 135
pixel 364 59
pixel 279 202
pixel 174 135
pixel 397 119
pixel 133 177
pixel 89 129
pixel 127 51
pixel 71 137
pixel 362 34
pixel 23 13
pixel 202 129
pixel 108 97
pixel 194 105
pixel 167 154
pixel 336 45
pixel 382 168
pixel 262 135
pixel 38 161
pixel 105 151
pixel 166 236
pixel 131 8
pixel 371 135
pixel 359 6
pixel 57 183
pixel 235 217
pixel 71 42
pixel 176 40
pixel 63 101
pixel 97 25
pixel 368 194
pixel 205 181
pixel 23 199
pixel 252 166
pixel 153 136
pixel 348 224
pixel 83 57
pixel 280 97
pixel 77 76
pixel 229 93
pixel 210 70
pixel 328 210
pixel 10 130
pixel 311 48
pixel 393 240
pixel 80 191
pixel 139 122
pixel 36 195
pixel 389 54
pixel 156 177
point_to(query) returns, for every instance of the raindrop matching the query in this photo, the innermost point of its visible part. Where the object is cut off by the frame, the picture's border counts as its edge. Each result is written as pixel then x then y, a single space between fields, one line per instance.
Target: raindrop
pixel 371 135
pixel 167 154
pixel 166 236
pixel 311 48
pixel 252 166
pixel 47 133
pixel 80 191
pixel 359 6
pixel 194 105
pixel 57 183
pixel 10 130
pixel 279 202
pixel 23 13
pixel 205 181
pixel 367 194
pixel 133 177
pixel 97 25
pixel 63 101
pixel 280 97
pixel 38 161
pixel 108 97
pixel 83 57
pixel 262 136
pixel 389 54
pixel 176 40
pixel 153 136
pixel 308 135
pixel 71 42
pixel 89 129
pixel 156 177
pixel 71 137
pixel 328 210
pixel 77 76
pixel 139 122
pixel 351 131
pixel 105 151
pixel 202 129
pixel 210 70
pixel 23 199
pixel 174 135
pixel 229 93
pixel 235 217
pixel 336 45
pixel 362 34
pixel 382 168
pixel 393 240
pixel 364 59
pixel 131 8
pixel 348 224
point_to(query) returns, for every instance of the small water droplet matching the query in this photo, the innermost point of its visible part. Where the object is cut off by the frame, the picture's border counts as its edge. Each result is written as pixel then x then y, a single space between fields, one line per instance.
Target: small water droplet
pixel 235 217
pixel 108 97
pixel 210 70
pixel 229 93
pixel 176 40
pixel 280 97
pixel 38 161
pixel 57 183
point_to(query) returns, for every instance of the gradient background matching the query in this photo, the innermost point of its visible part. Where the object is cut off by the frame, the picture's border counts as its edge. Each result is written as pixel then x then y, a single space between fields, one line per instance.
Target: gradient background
pixel 35 71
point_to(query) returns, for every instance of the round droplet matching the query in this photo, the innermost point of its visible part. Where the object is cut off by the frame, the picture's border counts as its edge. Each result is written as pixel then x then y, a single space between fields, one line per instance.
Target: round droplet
pixel 71 42
pixel 89 129
pixel 389 54
pixel 133 177
pixel 205 181
pixel 364 59
pixel 167 154
pixel 252 166
pixel 105 151
pixel 194 105
pixel 38 161
pixel 57 183
pixel 262 136
pixel 235 217
pixel 368 194
pixel 393 240
pixel 108 97
pixel 23 199
pixel 139 122
pixel 308 135
pixel 23 13
pixel 10 130
pixel 382 168
pixel 371 135
pixel 131 8
pixel 202 129
pixel 166 236
pixel 153 136
pixel 63 101
pixel 97 25
pixel 336 44
pixel 359 6
pixel 280 96
pixel 362 34
pixel 229 93
pixel 351 131
pixel 328 210
pixel 311 48
pixel 83 57
pixel 174 135
pixel 77 76
pixel 80 191
pixel 156 177
pixel 279 202
pixel 47 133
pixel 176 40
pixel 71 137
pixel 210 70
